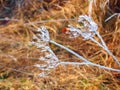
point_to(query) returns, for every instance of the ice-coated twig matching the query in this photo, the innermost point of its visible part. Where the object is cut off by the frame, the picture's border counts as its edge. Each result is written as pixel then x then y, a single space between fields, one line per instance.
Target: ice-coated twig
pixel 87 62
pixel 92 64
pixel 102 41
pixel 53 56
pixel 88 29
pixel 8 19
pixel 107 50
pixel 73 63
pixel 69 50
pixel 106 20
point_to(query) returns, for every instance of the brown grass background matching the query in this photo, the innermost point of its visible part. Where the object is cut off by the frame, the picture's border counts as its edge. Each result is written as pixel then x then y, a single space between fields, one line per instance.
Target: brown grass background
pixel 17 57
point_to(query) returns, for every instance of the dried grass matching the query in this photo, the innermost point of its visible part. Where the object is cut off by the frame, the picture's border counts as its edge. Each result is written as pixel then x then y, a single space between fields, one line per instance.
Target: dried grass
pixel 17 57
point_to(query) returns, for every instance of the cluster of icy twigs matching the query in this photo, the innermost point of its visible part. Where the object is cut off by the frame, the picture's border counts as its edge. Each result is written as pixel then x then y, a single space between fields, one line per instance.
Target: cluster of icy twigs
pixel 87 29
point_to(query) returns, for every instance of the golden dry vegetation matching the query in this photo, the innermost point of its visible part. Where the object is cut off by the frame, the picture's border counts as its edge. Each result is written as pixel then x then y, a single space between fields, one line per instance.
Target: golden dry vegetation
pixel 18 18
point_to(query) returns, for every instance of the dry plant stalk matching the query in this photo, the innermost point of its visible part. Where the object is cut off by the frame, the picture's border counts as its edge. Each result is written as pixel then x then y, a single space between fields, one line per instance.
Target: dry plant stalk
pixel 88 30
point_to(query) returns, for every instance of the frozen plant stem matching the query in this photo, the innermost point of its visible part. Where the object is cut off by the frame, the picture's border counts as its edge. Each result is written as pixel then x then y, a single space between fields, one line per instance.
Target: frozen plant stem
pixel 106 20
pixel 87 62
pixel 83 63
pixel 106 49
pixel 102 41
pixel 73 63
pixel 67 49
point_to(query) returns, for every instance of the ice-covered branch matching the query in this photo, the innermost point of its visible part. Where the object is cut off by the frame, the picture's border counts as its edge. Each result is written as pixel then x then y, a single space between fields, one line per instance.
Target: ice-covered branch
pixel 115 14
pixel 86 61
pixel 50 59
pixel 88 29
pixel 92 64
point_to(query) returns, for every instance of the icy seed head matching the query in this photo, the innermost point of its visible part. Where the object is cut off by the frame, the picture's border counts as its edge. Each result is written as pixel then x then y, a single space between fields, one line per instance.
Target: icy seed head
pixel 42 38
pixel 87 22
pixel 87 28
pixel 41 41
pixel 44 34
pixel 50 60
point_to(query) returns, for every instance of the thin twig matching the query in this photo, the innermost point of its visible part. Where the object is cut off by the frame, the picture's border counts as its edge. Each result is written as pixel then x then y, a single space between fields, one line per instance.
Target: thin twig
pixel 82 58
pixel 107 50
pixel 97 65
pixel 46 21
pixel 9 56
pixel 67 49
pixel 102 41
pixel 106 20
pixel 73 63
pixel 21 71
pixel 8 19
